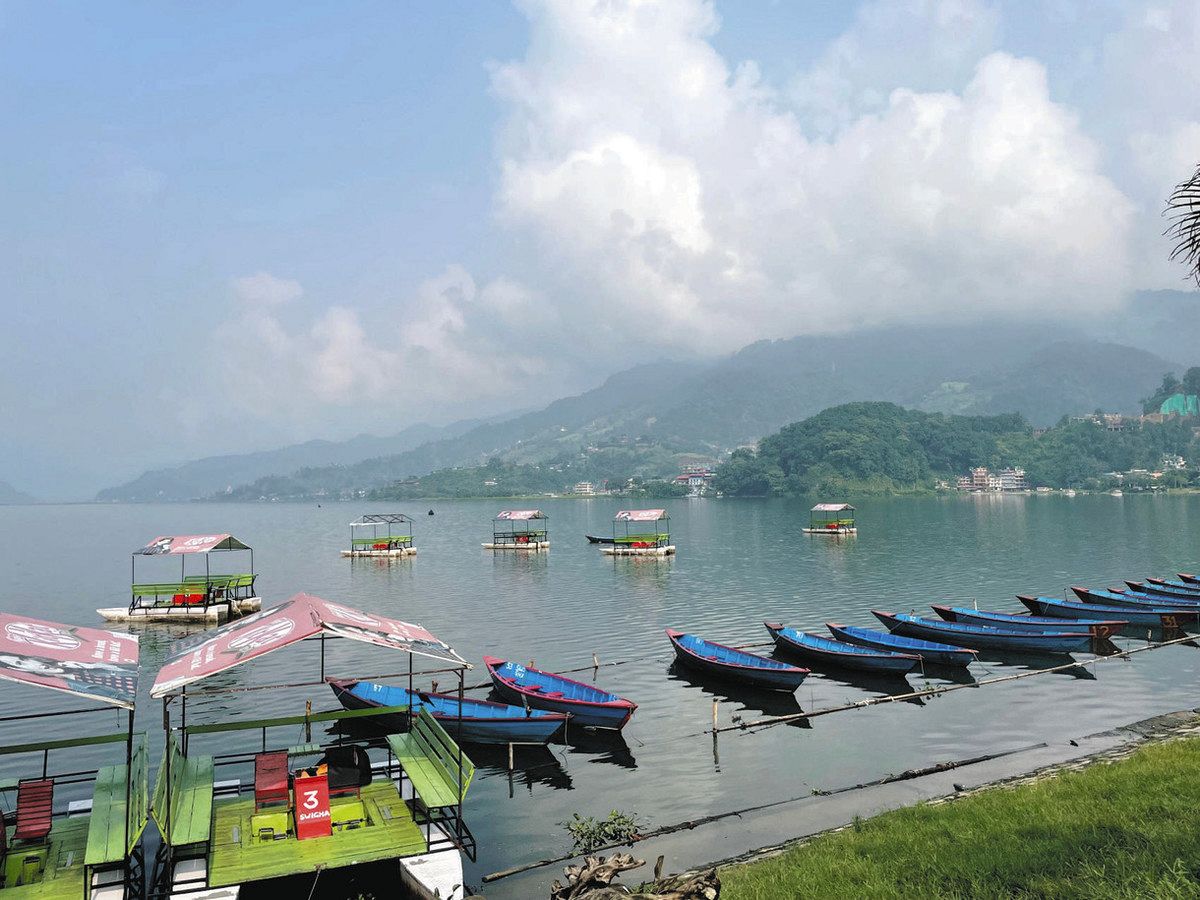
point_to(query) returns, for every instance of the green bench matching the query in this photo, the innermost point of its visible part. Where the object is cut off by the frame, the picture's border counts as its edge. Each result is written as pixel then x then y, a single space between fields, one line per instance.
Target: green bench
pixel 191 800
pixel 429 758
pixel 394 539
pixel 641 538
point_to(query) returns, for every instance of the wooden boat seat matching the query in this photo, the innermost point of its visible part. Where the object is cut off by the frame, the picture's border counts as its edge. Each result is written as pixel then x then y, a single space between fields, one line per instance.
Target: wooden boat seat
pixel 270 778
pixel 35 802
pixel 429 758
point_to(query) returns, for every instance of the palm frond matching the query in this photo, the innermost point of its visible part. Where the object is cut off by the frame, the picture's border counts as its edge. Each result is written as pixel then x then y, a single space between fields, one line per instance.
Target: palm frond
pixel 1183 209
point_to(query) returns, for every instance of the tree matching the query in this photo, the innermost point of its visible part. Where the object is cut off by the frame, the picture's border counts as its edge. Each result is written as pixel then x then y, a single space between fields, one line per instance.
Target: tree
pixel 1191 380
pixel 1183 208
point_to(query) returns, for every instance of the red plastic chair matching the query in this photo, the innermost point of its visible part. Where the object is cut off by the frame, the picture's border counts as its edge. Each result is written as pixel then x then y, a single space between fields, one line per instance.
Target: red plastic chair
pixel 35 802
pixel 270 778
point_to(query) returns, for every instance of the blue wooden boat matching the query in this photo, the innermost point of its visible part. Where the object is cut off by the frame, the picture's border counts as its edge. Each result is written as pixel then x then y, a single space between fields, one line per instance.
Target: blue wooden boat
pixel 587 705
pixel 930 651
pixel 1158 587
pixel 1097 628
pixel 1074 609
pixel 822 650
pixel 1134 599
pixel 982 636
pixel 734 664
pixel 1189 578
pixel 1175 584
pixel 483 722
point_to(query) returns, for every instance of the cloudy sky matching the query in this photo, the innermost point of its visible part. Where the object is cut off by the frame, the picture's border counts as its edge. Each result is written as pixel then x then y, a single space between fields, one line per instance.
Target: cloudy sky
pixel 228 226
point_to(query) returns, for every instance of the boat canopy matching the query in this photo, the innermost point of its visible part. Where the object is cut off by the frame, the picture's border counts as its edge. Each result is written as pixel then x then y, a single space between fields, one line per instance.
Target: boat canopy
pixel 87 662
pixel 520 515
pixel 381 519
pixel 190 543
pixel 640 515
pixel 302 616
pixel 833 507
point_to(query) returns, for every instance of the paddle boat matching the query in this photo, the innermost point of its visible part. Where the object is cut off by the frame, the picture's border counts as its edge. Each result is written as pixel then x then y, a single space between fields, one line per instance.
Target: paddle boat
pixel 1135 599
pixel 831 518
pixel 640 532
pixel 930 651
pixel 587 705
pixel 390 535
pixel 1163 590
pixel 733 664
pixel 982 636
pixel 823 651
pixel 75 831
pixel 208 598
pixel 520 529
pixel 279 802
pixel 1055 607
pixel 1097 628
pixel 468 720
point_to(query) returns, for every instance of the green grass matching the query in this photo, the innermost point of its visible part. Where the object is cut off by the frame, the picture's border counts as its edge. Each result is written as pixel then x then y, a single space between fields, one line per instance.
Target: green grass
pixel 1127 829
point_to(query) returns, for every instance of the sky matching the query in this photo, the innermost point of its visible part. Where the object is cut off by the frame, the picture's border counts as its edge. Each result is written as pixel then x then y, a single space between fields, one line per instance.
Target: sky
pixel 229 226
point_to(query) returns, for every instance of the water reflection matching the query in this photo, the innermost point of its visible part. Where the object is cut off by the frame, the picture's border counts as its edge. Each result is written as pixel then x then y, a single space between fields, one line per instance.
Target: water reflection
pixel 769 703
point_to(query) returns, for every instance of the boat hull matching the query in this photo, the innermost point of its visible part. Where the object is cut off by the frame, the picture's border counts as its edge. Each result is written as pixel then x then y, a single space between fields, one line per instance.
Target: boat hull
pixel 596 713
pixel 943 655
pixel 981 637
pixel 1165 590
pixel 1068 609
pixel 1097 628
pixel 883 661
pixel 775 678
pixel 474 728
pixel 1189 578
pixel 1186 611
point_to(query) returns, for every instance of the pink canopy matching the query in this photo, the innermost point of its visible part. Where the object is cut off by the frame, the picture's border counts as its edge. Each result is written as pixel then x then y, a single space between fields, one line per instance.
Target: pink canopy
pixel 520 515
pixel 295 619
pixel 88 662
pixel 191 543
pixel 640 515
pixel 832 507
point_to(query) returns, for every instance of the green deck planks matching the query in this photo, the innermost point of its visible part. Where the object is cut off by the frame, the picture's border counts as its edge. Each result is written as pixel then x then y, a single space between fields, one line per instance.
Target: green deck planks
pixel 106 834
pixel 63 876
pixel 390 834
pixel 192 802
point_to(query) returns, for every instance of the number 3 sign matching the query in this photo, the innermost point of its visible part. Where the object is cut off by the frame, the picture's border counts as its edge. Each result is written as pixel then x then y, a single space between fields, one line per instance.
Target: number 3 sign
pixel 312 807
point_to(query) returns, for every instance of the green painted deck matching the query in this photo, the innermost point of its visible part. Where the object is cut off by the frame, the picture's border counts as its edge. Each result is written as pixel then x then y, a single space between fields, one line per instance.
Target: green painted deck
pixel 106 838
pixel 63 876
pixel 390 833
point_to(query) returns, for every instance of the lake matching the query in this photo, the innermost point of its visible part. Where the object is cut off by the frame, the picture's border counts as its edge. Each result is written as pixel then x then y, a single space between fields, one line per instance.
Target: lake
pixel 739 562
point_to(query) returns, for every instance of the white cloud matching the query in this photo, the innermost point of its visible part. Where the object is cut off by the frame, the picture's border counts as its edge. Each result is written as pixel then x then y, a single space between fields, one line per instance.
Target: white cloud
pixel 264 289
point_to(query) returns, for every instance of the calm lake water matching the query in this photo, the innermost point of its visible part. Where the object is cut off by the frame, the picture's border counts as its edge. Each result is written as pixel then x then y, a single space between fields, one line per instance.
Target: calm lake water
pixel 739 562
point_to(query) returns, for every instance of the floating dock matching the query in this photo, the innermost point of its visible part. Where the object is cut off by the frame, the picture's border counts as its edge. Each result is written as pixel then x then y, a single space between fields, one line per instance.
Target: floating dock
pixel 210 614
pixel 528 547
pixel 616 550
pixel 393 552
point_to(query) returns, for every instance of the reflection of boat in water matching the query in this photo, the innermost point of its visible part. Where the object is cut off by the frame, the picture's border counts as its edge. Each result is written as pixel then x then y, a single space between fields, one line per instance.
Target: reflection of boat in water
pixel 602 746
pixel 769 703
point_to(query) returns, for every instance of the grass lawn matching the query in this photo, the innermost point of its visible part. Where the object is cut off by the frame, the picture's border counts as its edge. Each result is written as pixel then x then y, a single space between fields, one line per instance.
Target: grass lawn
pixel 1125 829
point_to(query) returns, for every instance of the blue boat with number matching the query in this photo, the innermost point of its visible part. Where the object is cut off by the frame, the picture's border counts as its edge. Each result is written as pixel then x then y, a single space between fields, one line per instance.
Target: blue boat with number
pixel 983 636
pixel 930 651
pixel 1074 609
pixel 822 650
pixel 483 722
pixel 735 665
pixel 587 705
pixel 1097 628
pixel 1134 599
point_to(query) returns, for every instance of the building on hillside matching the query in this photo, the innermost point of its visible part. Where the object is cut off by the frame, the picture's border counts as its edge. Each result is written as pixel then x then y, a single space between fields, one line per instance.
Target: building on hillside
pixel 585 489
pixel 697 478
pixel 981 480
pixel 1182 405
pixel 1173 461
pixel 1013 480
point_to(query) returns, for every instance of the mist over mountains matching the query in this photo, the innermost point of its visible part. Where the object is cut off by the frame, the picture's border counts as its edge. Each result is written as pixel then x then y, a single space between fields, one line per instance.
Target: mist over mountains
pixel 658 411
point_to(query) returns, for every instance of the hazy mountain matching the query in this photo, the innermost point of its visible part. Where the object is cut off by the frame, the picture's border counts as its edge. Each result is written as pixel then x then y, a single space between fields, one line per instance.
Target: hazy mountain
pixel 709 408
pixel 214 474
pixel 9 495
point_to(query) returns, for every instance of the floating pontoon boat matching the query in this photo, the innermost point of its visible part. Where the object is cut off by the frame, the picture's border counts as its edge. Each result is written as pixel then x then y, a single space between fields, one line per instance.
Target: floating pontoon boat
pixel 381 534
pixel 519 529
pixel 640 532
pixel 831 518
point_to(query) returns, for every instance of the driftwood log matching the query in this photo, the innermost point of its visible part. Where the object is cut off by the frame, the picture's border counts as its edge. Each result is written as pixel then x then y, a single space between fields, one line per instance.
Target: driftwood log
pixel 593 881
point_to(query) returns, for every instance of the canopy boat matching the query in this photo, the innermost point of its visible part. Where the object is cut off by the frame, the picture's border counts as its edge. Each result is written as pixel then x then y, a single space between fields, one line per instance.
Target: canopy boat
pixel 207 597
pixel 588 706
pixel 1134 599
pixel 381 535
pixel 277 809
pixel 823 651
pixel 734 664
pixel 982 636
pixel 1097 628
pixel 520 529
pixel 831 518
pixel 1157 588
pixel 640 532
pixel 1075 609
pixel 930 651
pixel 76 834
pixel 482 721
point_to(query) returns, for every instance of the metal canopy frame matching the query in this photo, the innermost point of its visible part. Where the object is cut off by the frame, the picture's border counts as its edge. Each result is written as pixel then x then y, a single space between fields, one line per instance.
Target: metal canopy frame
pixel 374 520
pixel 211 591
